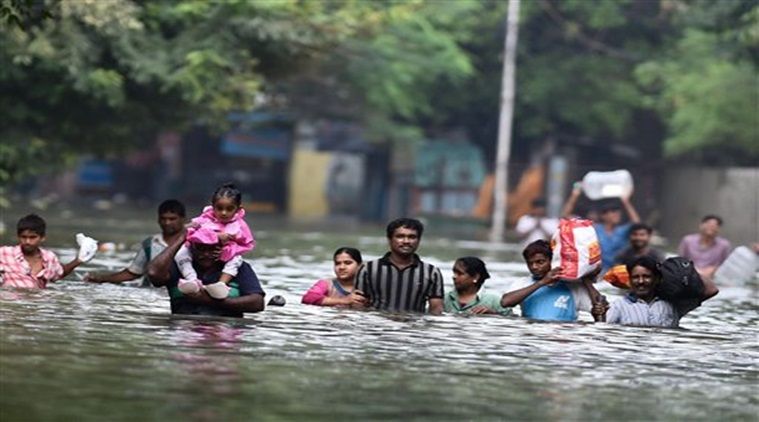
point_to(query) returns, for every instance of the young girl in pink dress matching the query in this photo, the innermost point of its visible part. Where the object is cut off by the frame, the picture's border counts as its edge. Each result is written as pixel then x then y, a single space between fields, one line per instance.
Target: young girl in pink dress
pixel 225 217
pixel 338 291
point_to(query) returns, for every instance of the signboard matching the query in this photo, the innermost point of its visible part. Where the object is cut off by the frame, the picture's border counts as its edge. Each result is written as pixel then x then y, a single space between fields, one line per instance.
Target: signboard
pixel 258 135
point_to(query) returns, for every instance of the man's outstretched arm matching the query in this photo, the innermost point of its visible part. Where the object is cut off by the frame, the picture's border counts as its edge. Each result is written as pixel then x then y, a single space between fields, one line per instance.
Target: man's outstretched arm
pixel 117 277
pixel 159 269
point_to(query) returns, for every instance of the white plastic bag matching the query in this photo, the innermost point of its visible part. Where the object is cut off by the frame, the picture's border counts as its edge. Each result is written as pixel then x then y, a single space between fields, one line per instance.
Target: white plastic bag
pixel 87 247
pixel 607 184
pixel 739 268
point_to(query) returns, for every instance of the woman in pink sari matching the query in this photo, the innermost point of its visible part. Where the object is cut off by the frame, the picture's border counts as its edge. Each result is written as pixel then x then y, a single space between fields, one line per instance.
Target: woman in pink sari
pixel 339 290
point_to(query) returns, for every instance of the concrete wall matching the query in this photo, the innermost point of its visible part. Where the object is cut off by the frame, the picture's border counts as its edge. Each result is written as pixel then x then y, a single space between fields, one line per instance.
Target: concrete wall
pixel 689 193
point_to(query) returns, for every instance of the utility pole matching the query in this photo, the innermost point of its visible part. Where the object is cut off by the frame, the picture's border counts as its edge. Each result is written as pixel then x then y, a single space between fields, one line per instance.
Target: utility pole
pixel 505 122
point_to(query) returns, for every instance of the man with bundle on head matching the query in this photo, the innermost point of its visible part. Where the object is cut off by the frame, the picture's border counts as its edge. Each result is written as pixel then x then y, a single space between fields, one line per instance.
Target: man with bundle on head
pixel 400 280
pixel 612 233
pixel 659 294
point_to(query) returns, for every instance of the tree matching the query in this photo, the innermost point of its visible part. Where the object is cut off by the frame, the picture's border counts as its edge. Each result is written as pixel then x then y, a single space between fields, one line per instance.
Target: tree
pixel 386 75
pixel 104 76
pixel 705 84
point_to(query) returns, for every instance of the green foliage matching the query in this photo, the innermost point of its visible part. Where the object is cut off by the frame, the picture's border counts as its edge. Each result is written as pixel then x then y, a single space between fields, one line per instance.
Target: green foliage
pixel 101 77
pixel 21 13
pixel 705 84
pixel 708 100
pixel 386 77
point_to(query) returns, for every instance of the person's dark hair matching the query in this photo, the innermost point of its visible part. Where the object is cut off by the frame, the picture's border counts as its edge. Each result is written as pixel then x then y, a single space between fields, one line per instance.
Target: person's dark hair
pixel 172 206
pixel 227 190
pixel 353 252
pixel 409 223
pixel 712 217
pixel 536 247
pixel 645 261
pixel 641 226
pixel 608 206
pixel 31 222
pixel 474 266
pixel 539 203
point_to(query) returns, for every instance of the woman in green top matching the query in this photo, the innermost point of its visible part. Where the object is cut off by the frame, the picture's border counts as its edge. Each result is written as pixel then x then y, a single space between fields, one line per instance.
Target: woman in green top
pixel 469 273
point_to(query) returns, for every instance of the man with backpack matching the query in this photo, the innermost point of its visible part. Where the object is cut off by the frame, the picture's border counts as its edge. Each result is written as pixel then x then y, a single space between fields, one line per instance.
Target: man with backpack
pixel 659 293
pixel 171 219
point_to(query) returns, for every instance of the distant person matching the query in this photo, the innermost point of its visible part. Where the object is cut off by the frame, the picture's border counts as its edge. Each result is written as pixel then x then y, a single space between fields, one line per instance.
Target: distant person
pixel 28 265
pixel 225 216
pixel 171 219
pixel 612 233
pixel 640 238
pixel 245 292
pixel 469 274
pixel 400 280
pixel 339 290
pixel 706 248
pixel 547 296
pixel 535 225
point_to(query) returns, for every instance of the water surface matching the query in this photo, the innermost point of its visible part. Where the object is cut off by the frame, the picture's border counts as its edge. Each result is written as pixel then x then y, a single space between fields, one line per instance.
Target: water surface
pixel 80 351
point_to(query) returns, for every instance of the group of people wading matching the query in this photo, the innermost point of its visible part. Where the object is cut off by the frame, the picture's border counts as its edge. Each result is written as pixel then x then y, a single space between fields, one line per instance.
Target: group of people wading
pixel 201 266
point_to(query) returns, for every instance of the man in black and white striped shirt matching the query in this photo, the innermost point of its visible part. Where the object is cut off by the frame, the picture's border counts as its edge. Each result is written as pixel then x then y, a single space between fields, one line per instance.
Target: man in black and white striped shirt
pixel 400 280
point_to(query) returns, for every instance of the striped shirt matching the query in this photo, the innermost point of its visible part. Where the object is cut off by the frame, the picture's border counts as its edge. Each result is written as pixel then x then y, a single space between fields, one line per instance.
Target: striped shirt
pixel 388 287
pixel 630 310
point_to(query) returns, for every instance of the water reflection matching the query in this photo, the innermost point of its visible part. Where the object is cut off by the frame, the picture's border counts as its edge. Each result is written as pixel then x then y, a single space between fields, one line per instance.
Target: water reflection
pixel 112 350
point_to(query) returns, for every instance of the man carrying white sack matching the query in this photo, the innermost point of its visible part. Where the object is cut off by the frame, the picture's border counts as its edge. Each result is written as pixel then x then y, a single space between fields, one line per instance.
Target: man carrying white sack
pixel 29 266
pixel 548 295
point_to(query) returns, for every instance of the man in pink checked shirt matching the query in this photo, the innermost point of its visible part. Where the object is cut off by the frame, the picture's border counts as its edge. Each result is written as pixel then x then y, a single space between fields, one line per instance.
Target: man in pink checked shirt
pixel 27 265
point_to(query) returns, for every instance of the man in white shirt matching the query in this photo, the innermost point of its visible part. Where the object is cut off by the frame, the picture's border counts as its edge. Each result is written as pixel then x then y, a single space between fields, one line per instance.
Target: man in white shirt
pixel 535 225
pixel 171 219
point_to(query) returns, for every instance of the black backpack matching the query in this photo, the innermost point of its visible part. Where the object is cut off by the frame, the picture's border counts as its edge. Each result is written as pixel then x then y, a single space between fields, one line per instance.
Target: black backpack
pixel 681 285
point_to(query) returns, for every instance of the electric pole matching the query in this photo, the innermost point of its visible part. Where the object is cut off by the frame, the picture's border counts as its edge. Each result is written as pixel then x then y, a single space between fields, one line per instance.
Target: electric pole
pixel 505 122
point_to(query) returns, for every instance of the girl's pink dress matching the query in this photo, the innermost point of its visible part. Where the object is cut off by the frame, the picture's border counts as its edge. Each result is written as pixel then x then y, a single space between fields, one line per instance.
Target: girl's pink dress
pixel 242 239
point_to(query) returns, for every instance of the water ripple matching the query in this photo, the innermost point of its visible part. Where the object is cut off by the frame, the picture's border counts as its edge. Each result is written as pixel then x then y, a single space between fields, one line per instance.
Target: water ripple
pixel 118 345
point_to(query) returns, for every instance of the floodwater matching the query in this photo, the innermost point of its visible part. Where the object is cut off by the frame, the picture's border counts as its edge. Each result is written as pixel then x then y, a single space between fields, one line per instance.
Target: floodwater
pixel 84 352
